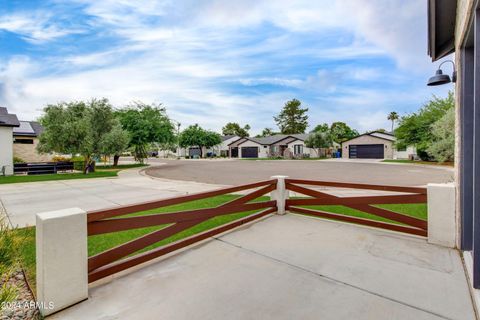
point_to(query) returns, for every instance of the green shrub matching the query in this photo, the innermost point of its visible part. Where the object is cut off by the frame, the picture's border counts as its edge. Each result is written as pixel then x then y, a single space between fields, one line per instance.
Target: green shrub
pixel 8 262
pixel 8 292
pixel 60 159
pixel 7 247
pixel 18 160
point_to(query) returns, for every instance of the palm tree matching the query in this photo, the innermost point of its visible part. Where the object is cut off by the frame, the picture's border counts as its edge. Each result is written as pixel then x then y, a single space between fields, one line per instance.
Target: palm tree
pixel 392 117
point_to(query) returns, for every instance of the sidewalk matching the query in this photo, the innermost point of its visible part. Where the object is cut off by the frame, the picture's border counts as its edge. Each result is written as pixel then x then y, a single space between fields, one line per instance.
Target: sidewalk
pixel 23 200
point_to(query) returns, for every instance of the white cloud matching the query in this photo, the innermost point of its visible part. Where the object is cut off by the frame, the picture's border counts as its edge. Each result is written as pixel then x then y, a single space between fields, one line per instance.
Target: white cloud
pixel 36 27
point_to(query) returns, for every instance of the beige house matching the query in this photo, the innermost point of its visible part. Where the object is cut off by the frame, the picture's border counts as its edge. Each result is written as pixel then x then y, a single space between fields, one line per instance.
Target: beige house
pixel 375 145
pixel 25 141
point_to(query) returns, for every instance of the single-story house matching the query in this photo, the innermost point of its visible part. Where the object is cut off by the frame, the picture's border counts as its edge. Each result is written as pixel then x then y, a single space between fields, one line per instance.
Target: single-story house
pixel 25 141
pixel 7 123
pixel 375 145
pixel 271 146
pixel 221 149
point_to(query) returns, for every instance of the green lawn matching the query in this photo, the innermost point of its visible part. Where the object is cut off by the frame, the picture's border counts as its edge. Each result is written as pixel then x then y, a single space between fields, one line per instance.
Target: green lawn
pixel 101 172
pixel 450 164
pixel 417 210
pixel 99 243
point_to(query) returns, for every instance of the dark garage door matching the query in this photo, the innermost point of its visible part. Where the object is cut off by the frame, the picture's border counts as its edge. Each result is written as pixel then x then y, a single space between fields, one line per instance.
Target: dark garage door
pixel 366 151
pixel 249 152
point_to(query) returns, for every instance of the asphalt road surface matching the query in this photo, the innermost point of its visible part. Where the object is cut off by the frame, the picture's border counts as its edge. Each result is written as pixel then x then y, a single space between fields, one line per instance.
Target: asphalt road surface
pixel 236 172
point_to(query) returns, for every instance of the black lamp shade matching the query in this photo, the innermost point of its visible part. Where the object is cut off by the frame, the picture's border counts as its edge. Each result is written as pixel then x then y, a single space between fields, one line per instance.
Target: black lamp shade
pixel 438 79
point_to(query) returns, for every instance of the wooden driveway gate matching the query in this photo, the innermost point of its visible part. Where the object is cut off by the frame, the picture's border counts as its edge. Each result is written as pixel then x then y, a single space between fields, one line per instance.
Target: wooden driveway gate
pixel 125 255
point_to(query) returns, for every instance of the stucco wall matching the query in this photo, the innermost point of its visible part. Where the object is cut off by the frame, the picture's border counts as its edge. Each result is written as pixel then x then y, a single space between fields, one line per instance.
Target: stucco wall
pixel 28 152
pixel 6 149
pixel 262 152
pixel 388 151
pixel 311 152
pixel 411 150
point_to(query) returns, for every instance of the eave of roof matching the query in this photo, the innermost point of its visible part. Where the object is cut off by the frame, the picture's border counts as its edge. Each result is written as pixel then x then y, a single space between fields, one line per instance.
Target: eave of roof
pixel 441 28
pixel 368 134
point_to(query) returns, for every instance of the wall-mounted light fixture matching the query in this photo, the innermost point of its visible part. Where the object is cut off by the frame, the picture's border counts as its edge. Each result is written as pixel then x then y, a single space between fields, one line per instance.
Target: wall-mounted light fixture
pixel 439 78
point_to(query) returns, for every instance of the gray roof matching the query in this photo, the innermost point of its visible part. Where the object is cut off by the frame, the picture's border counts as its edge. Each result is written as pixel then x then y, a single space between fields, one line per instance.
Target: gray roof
pixel 278 137
pixel 28 128
pixel 228 136
pixel 7 119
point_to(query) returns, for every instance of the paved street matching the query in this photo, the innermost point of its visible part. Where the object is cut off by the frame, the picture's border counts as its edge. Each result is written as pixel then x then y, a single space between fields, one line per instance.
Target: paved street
pixel 234 172
pixel 291 267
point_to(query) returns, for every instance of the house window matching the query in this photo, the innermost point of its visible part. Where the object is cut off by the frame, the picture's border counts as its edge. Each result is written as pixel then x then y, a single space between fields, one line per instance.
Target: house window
pixel 401 148
pixel 298 149
pixel 23 141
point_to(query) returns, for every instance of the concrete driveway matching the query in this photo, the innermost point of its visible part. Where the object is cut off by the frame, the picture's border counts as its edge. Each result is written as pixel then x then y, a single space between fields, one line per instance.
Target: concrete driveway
pixel 291 267
pixel 234 172
pixel 23 200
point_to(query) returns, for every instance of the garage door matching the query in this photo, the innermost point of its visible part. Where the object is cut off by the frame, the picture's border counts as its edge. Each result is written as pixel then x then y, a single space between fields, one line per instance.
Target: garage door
pixel 366 151
pixel 249 152
pixel 194 151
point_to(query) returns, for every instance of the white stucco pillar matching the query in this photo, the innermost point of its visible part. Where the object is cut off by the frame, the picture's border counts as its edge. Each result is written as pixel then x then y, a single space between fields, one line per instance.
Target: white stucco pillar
pixel 6 150
pixel 441 214
pixel 62 275
pixel 280 194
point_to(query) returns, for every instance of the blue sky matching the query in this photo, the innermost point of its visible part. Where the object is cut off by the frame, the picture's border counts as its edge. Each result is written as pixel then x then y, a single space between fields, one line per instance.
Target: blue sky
pixel 212 61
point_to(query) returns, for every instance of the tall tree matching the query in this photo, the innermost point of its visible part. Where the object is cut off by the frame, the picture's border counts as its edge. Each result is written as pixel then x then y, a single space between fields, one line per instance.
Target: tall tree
pixel 393 116
pixel 78 128
pixel 442 147
pixel 292 119
pixel 266 132
pixel 146 124
pixel 340 132
pixel 321 128
pixel 233 128
pixel 115 142
pixel 416 128
pixel 197 136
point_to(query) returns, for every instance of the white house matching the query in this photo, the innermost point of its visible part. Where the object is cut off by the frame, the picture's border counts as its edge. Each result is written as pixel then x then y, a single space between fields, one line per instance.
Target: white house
pixel 272 146
pixel 222 149
pixel 7 123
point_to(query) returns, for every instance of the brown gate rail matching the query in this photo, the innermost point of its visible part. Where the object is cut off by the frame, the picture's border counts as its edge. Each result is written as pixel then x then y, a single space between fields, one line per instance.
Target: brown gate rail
pixel 118 258
pixel 410 225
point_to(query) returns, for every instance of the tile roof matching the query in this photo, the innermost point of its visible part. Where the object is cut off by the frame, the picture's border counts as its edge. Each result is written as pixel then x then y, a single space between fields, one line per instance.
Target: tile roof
pixel 276 138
